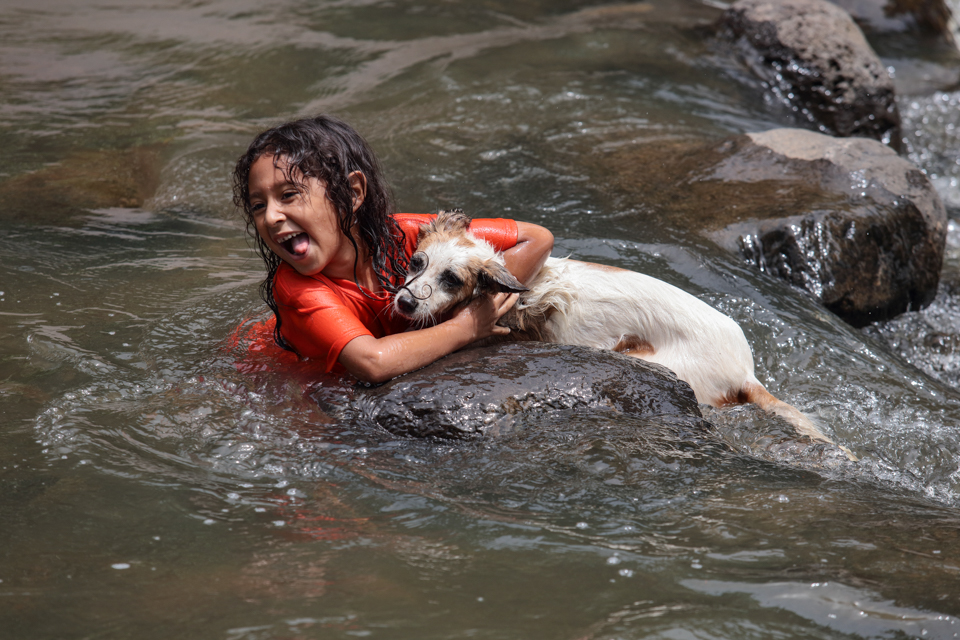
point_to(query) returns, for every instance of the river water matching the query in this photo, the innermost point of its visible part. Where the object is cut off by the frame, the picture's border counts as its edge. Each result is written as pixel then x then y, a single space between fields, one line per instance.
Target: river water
pixel 150 488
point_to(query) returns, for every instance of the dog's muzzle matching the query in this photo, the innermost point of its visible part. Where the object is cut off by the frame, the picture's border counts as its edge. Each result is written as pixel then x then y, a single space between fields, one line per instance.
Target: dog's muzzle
pixel 407 301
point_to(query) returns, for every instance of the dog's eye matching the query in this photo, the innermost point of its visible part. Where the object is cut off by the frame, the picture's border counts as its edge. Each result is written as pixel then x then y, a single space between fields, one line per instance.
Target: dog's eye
pixel 417 262
pixel 450 280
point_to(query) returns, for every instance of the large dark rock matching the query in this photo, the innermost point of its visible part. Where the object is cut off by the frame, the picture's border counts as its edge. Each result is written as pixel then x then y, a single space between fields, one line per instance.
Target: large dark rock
pixel 812 56
pixel 496 389
pixel 847 219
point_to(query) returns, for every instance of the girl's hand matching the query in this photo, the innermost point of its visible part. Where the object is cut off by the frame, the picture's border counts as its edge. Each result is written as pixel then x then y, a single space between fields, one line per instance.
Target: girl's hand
pixel 379 359
pixel 481 315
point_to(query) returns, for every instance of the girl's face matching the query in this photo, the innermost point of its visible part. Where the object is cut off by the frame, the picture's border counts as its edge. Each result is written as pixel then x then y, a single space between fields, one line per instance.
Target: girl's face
pixel 299 223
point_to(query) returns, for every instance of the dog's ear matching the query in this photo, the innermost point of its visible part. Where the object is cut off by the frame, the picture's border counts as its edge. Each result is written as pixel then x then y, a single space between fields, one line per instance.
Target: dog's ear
pixel 495 277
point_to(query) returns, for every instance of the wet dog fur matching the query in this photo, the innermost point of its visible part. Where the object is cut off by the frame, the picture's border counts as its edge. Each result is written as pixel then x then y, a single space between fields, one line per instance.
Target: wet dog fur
pixel 572 302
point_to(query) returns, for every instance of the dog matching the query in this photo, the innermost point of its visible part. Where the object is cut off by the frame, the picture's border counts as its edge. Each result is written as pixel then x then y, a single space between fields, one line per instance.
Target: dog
pixel 580 303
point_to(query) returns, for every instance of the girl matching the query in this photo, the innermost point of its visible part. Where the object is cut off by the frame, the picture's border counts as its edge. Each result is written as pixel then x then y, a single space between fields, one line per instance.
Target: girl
pixel 336 253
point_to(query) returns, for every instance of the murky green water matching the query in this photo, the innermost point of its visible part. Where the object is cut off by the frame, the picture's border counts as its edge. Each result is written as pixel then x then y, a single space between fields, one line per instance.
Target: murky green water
pixel 150 489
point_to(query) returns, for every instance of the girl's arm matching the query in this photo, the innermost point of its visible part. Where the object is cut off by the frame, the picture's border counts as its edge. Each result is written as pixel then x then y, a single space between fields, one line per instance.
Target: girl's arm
pixel 380 359
pixel 534 244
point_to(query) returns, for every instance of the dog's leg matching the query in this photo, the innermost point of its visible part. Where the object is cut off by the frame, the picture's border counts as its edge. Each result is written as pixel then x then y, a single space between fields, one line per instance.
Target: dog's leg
pixel 634 346
pixel 758 395
pixel 755 392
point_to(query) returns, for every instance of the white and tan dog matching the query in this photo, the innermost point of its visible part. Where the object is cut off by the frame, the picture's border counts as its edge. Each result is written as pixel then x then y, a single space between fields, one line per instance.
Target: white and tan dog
pixel 571 302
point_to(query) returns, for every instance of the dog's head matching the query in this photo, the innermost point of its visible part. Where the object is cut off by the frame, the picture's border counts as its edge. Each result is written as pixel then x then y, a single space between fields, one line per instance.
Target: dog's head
pixel 449 267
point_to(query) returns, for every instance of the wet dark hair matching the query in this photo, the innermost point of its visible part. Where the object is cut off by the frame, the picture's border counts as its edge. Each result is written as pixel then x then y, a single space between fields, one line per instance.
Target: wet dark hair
pixel 329 150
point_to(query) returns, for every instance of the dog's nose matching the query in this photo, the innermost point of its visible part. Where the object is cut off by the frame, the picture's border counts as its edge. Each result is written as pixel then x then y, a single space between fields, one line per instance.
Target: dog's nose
pixel 406 303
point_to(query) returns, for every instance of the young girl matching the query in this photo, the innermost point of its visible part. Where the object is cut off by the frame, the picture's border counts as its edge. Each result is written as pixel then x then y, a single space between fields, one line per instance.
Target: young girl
pixel 336 253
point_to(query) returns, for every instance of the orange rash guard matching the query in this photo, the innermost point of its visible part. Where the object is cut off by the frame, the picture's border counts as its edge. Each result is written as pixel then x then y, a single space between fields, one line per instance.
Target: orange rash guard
pixel 320 315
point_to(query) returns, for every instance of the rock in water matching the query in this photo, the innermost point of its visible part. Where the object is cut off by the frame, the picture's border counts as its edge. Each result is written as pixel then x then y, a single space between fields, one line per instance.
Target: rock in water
pixel 874 254
pixel 496 389
pixel 812 56
pixel 847 219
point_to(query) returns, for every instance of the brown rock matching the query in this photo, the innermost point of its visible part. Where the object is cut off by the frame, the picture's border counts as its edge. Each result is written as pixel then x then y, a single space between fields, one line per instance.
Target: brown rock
pixel 850 221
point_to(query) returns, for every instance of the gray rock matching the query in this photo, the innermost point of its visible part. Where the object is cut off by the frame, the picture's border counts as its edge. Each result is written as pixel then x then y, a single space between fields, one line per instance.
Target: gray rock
pixel 812 56
pixel 847 219
pixel 502 388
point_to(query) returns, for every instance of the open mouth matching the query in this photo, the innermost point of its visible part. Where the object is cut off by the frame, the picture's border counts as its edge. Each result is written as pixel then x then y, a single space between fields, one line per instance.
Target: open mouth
pixel 296 245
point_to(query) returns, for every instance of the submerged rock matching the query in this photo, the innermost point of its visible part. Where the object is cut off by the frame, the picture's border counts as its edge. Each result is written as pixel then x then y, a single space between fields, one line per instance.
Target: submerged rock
pixel 850 221
pixel 497 389
pixel 813 56
pixel 80 182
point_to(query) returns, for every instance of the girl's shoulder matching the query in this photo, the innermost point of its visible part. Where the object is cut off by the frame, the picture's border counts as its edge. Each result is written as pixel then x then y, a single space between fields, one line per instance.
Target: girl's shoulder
pixel 410 224
pixel 499 232
pixel 414 220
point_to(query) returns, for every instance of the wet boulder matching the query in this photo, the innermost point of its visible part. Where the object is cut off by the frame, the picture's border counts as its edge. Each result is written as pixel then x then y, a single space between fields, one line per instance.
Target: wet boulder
pixel 847 219
pixel 813 57
pixel 502 388
pixel 875 253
